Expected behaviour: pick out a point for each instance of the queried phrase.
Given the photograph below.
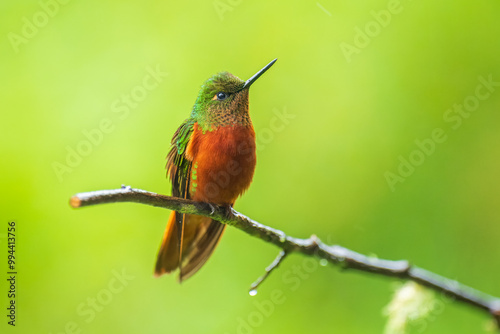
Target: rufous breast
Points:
(223, 163)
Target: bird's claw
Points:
(228, 210)
(212, 208)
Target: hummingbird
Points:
(212, 159)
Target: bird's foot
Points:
(228, 211)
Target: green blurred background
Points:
(321, 172)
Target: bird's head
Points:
(223, 100)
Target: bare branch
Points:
(312, 246)
(281, 256)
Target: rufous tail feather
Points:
(200, 237)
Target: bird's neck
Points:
(215, 119)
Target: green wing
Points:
(179, 170)
(178, 166)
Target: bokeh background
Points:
(321, 169)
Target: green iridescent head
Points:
(223, 100)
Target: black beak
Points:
(250, 81)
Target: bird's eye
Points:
(221, 96)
